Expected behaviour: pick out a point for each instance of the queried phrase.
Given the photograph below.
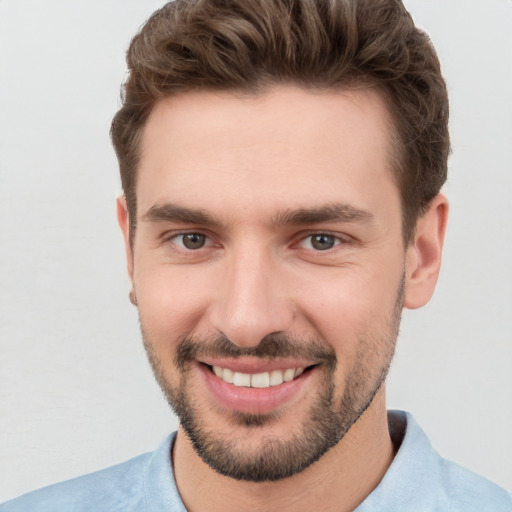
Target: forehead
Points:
(286, 148)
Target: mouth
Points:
(256, 388)
(259, 380)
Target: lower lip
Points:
(253, 400)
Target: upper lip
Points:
(255, 365)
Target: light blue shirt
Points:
(418, 480)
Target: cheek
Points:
(171, 302)
(351, 305)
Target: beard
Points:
(327, 422)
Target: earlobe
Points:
(423, 257)
(123, 218)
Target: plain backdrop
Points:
(76, 392)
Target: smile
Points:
(257, 380)
(252, 386)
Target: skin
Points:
(245, 162)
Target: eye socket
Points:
(191, 241)
(320, 242)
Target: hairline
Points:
(396, 153)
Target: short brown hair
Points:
(247, 45)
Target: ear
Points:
(123, 217)
(423, 256)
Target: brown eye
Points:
(193, 240)
(322, 242)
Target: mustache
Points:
(272, 346)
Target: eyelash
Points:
(337, 240)
(172, 238)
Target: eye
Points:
(320, 242)
(191, 241)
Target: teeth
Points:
(276, 377)
(242, 379)
(257, 380)
(260, 380)
(227, 375)
(289, 374)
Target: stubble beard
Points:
(327, 423)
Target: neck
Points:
(340, 480)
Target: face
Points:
(268, 269)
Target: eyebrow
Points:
(333, 212)
(173, 213)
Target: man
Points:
(281, 163)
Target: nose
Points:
(253, 299)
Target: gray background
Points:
(76, 393)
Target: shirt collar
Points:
(406, 482)
(413, 472)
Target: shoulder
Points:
(118, 487)
(145, 482)
(420, 479)
(466, 491)
(447, 484)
